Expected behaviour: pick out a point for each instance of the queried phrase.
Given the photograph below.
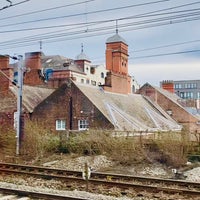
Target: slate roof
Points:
(82, 56)
(32, 96)
(128, 112)
(175, 98)
(8, 103)
(116, 38)
(57, 62)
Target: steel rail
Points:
(107, 179)
(96, 175)
(38, 195)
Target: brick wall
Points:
(117, 79)
(33, 65)
(70, 104)
(117, 57)
(117, 83)
(4, 62)
(6, 73)
(168, 85)
(178, 112)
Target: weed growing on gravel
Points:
(168, 148)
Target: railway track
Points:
(17, 194)
(137, 183)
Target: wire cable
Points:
(83, 34)
(110, 20)
(107, 29)
(11, 4)
(165, 54)
(84, 13)
(164, 46)
(44, 10)
(123, 27)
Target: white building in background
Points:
(80, 70)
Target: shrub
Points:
(7, 141)
(170, 148)
(37, 141)
(94, 142)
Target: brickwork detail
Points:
(168, 85)
(70, 104)
(178, 113)
(117, 79)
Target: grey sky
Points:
(152, 29)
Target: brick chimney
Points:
(168, 85)
(33, 66)
(6, 73)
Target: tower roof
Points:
(82, 55)
(115, 38)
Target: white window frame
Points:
(83, 124)
(60, 124)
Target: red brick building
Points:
(63, 104)
(118, 79)
(169, 102)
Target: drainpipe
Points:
(70, 114)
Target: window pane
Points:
(83, 124)
(60, 124)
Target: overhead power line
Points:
(123, 27)
(165, 54)
(47, 9)
(188, 13)
(84, 13)
(148, 14)
(164, 46)
(166, 18)
(11, 4)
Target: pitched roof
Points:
(32, 96)
(128, 112)
(8, 103)
(176, 99)
(57, 62)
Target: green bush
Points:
(96, 142)
(168, 148)
(37, 141)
